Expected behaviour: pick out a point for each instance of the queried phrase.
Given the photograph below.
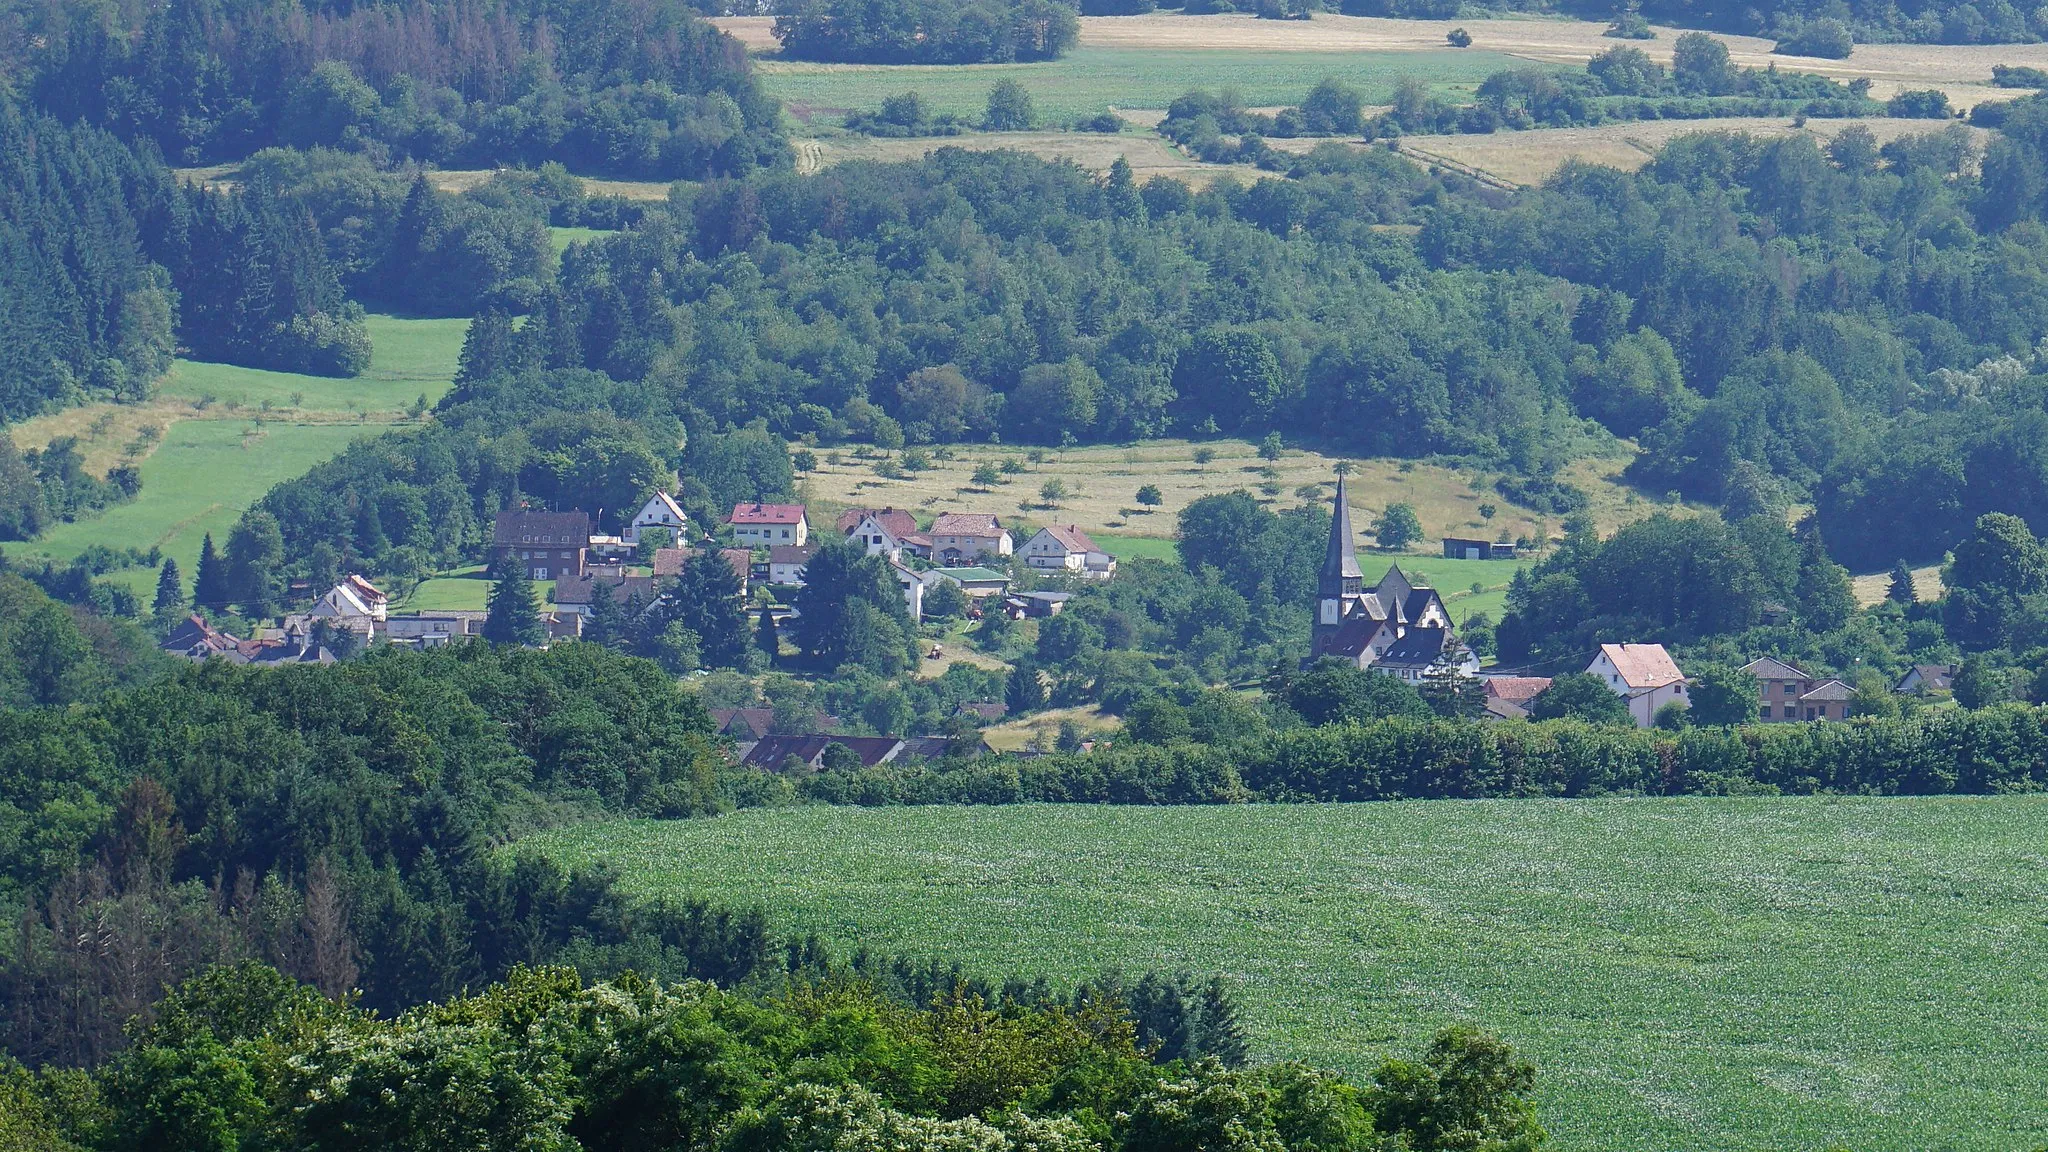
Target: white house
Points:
(877, 538)
(354, 604)
(1065, 548)
(660, 511)
(769, 525)
(786, 563)
(1642, 674)
(964, 537)
(914, 585)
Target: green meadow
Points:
(251, 431)
(1088, 80)
(1755, 973)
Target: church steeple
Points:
(1341, 575)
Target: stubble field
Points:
(1800, 973)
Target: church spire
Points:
(1341, 573)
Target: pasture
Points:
(1758, 973)
(227, 435)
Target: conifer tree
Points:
(170, 591)
(512, 617)
(1901, 589)
(607, 624)
(210, 582)
(707, 599)
(768, 636)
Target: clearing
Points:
(1755, 973)
(227, 435)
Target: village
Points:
(1398, 627)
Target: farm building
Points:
(1461, 548)
(1642, 674)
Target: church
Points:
(1397, 626)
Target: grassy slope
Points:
(1089, 80)
(216, 461)
(1696, 973)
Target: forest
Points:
(926, 31)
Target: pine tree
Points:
(210, 583)
(1024, 691)
(768, 636)
(1901, 590)
(487, 349)
(512, 616)
(607, 624)
(707, 598)
(170, 590)
(255, 563)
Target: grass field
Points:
(465, 590)
(1800, 973)
(563, 236)
(218, 457)
(1089, 80)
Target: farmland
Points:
(1688, 973)
(228, 434)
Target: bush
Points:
(1826, 38)
(1459, 38)
(1923, 104)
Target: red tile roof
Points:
(1642, 665)
(896, 521)
(766, 514)
(1071, 538)
(967, 524)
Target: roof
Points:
(1070, 537)
(989, 710)
(751, 723)
(766, 514)
(1340, 559)
(578, 589)
(966, 524)
(1828, 690)
(1516, 689)
(1418, 646)
(792, 553)
(973, 575)
(774, 751)
(1770, 668)
(517, 525)
(1642, 665)
(365, 591)
(1047, 597)
(895, 521)
(669, 562)
(1933, 675)
(665, 503)
(1499, 709)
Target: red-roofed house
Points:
(967, 538)
(1642, 674)
(1065, 548)
(767, 525)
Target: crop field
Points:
(227, 435)
(1782, 973)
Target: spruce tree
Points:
(1901, 590)
(707, 599)
(210, 583)
(607, 624)
(255, 563)
(170, 590)
(512, 616)
(768, 636)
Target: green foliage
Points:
(1580, 696)
(1335, 692)
(1721, 694)
(851, 611)
(993, 31)
(513, 615)
(1009, 108)
(1397, 527)
(1470, 1091)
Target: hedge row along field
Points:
(1688, 973)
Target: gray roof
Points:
(1419, 646)
(1340, 559)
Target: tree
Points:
(170, 592)
(1722, 695)
(1269, 448)
(1458, 38)
(1449, 692)
(511, 615)
(945, 600)
(1338, 692)
(1024, 691)
(1397, 527)
(607, 624)
(210, 585)
(768, 637)
(1580, 696)
(1901, 590)
(1700, 65)
(986, 476)
(707, 598)
(1469, 1091)
(1052, 492)
(1149, 496)
(1979, 683)
(1826, 598)
(1009, 108)
(851, 611)
(255, 561)
(1051, 399)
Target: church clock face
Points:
(1329, 612)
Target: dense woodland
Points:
(926, 31)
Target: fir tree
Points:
(512, 616)
(254, 564)
(707, 599)
(487, 349)
(1901, 589)
(170, 589)
(1024, 691)
(768, 636)
(607, 623)
(210, 583)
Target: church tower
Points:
(1341, 581)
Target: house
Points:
(976, 582)
(769, 525)
(1416, 651)
(196, 640)
(1509, 697)
(668, 562)
(660, 511)
(433, 629)
(547, 544)
(960, 538)
(1065, 548)
(1642, 674)
(786, 563)
(351, 605)
(914, 585)
(573, 594)
(1038, 605)
(1926, 678)
(369, 594)
(749, 724)
(1788, 693)
(877, 538)
(1361, 625)
(1462, 548)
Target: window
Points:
(1766, 712)
(1809, 713)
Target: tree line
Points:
(927, 31)
(633, 87)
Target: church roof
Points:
(1340, 560)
